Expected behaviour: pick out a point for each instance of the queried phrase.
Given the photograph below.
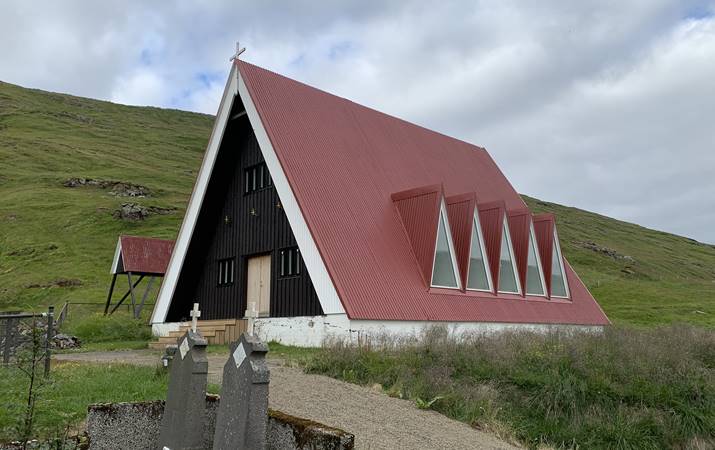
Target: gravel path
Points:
(377, 420)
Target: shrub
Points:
(623, 388)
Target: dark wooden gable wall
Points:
(234, 224)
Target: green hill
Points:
(57, 242)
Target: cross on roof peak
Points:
(239, 50)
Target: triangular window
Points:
(559, 285)
(508, 278)
(534, 273)
(478, 278)
(444, 273)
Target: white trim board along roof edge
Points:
(323, 284)
(314, 264)
(166, 292)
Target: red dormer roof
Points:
(491, 216)
(519, 230)
(344, 161)
(544, 231)
(460, 212)
(419, 212)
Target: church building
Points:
(327, 218)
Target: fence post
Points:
(62, 315)
(9, 336)
(48, 341)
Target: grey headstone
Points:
(183, 420)
(243, 412)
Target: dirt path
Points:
(378, 421)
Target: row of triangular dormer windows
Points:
(446, 275)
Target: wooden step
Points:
(216, 332)
(212, 322)
(203, 328)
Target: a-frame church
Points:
(331, 218)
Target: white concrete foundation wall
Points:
(163, 329)
(308, 331)
(314, 330)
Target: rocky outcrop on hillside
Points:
(135, 211)
(118, 188)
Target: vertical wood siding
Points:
(256, 225)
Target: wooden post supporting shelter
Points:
(142, 257)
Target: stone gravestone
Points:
(183, 420)
(243, 411)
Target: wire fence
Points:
(27, 332)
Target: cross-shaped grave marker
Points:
(195, 314)
(251, 314)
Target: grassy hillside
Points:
(57, 242)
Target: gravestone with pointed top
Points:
(243, 412)
(183, 420)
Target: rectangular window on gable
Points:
(226, 271)
(256, 178)
(289, 262)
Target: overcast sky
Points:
(607, 106)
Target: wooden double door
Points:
(258, 290)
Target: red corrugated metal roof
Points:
(343, 162)
(145, 255)
(419, 211)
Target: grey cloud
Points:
(607, 107)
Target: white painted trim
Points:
(117, 253)
(450, 245)
(171, 278)
(476, 224)
(532, 244)
(314, 264)
(505, 226)
(557, 247)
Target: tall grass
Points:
(63, 400)
(624, 388)
(93, 328)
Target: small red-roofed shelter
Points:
(142, 257)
